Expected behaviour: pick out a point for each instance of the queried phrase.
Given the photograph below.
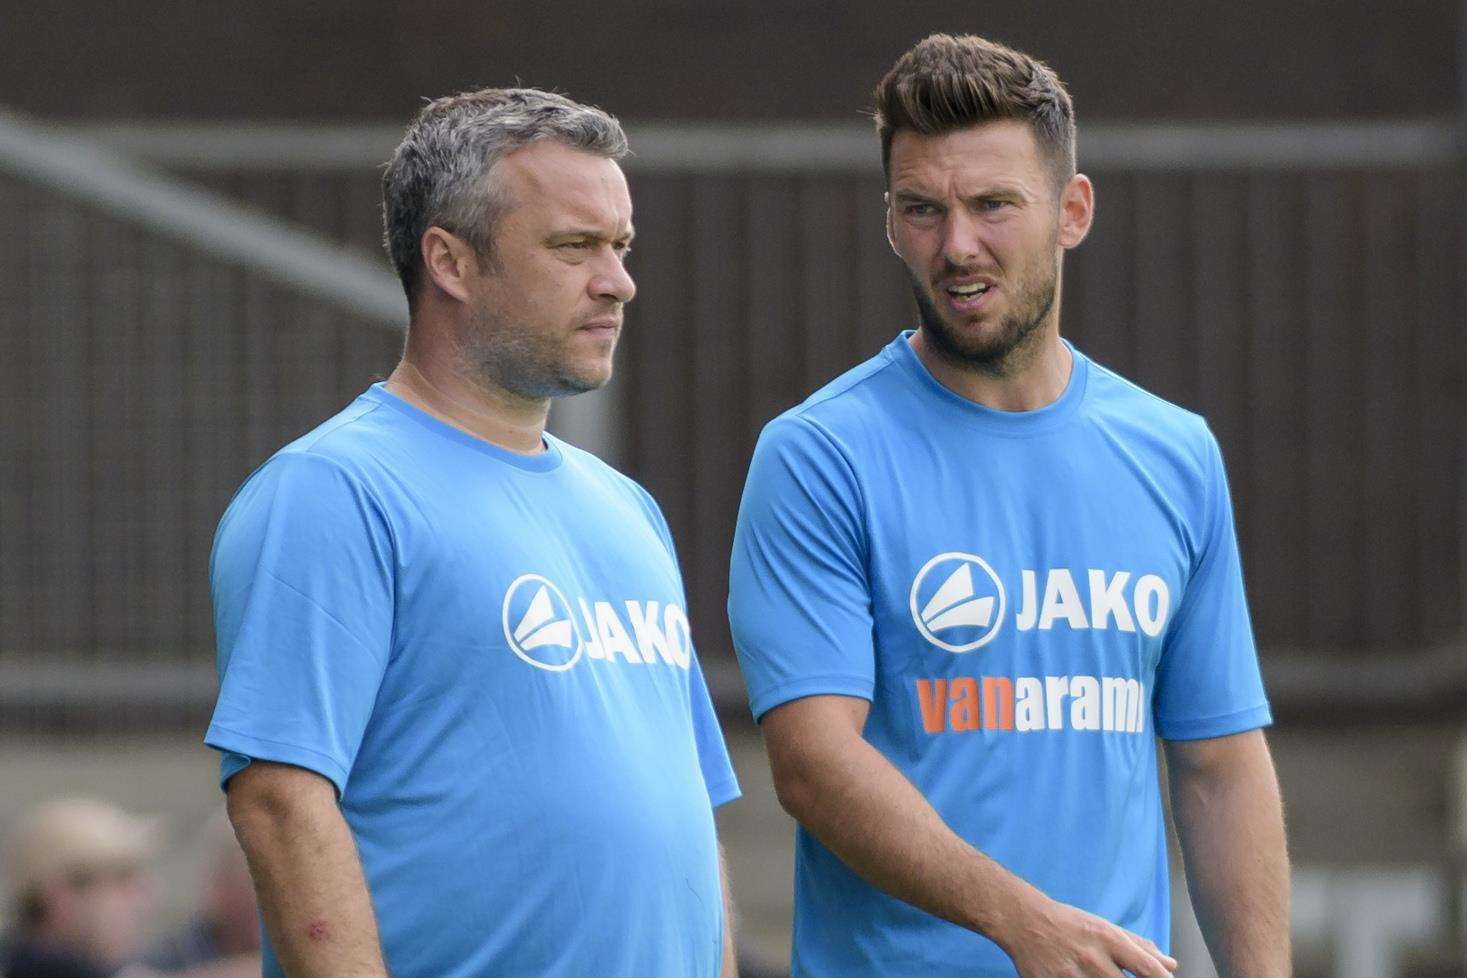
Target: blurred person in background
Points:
(976, 576)
(464, 731)
(80, 885)
(227, 925)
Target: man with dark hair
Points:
(459, 703)
(974, 577)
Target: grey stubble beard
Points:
(500, 356)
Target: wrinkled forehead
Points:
(966, 160)
(551, 184)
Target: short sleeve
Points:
(799, 597)
(302, 581)
(713, 759)
(1207, 682)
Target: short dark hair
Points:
(946, 83)
(441, 172)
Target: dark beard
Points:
(1010, 349)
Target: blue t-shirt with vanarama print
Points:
(1027, 600)
(489, 655)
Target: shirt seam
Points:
(337, 621)
(1213, 718)
(825, 394)
(488, 448)
(861, 501)
(335, 764)
(862, 681)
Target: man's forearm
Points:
(1230, 823)
(881, 826)
(312, 893)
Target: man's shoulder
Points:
(352, 438)
(602, 476)
(354, 446)
(843, 411)
(1171, 444)
(854, 396)
(339, 468)
(1128, 407)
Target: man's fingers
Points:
(1142, 958)
(1150, 947)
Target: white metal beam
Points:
(709, 147)
(81, 168)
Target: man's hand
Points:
(1048, 939)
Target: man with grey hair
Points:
(459, 703)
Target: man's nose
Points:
(961, 242)
(614, 282)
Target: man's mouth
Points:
(968, 296)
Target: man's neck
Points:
(495, 416)
(1031, 379)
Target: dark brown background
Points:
(1314, 314)
(714, 59)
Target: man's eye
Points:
(992, 204)
(921, 210)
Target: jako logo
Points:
(540, 627)
(958, 596)
(958, 601)
(544, 634)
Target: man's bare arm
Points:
(730, 967)
(861, 807)
(307, 873)
(1230, 821)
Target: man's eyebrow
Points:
(999, 190)
(594, 234)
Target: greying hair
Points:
(442, 173)
(946, 83)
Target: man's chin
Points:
(585, 380)
(972, 342)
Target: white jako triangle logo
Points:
(545, 631)
(536, 628)
(965, 611)
(952, 606)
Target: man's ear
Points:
(1077, 210)
(449, 261)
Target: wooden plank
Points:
(1098, 311)
(1163, 284)
(717, 265)
(1334, 586)
(1270, 481)
(1385, 332)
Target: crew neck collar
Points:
(544, 461)
(1011, 423)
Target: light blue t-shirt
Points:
(1027, 600)
(489, 655)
